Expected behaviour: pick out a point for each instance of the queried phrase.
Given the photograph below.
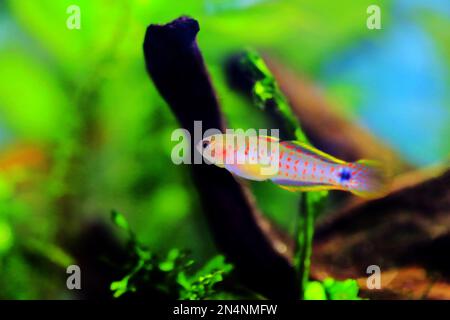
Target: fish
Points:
(293, 165)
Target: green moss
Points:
(172, 276)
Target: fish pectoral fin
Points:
(247, 171)
(219, 164)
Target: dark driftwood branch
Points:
(176, 66)
(405, 233)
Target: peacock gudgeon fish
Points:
(293, 165)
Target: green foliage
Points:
(315, 291)
(331, 289)
(6, 237)
(119, 220)
(201, 284)
(267, 94)
(172, 275)
(341, 290)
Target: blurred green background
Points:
(83, 130)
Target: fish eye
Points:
(205, 144)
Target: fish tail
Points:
(372, 179)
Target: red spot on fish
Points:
(304, 171)
(295, 168)
(330, 180)
(321, 171)
(286, 174)
(296, 161)
(288, 159)
(291, 154)
(281, 154)
(331, 169)
(306, 163)
(287, 166)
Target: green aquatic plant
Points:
(331, 289)
(268, 97)
(201, 284)
(172, 275)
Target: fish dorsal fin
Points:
(269, 138)
(310, 150)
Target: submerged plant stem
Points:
(304, 238)
(269, 98)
